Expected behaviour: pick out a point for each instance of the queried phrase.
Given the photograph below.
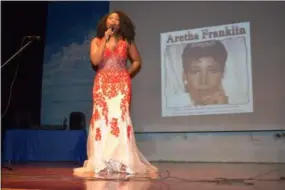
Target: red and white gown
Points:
(111, 145)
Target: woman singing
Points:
(111, 145)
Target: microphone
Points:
(33, 37)
(113, 29)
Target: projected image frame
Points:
(187, 93)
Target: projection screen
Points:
(208, 66)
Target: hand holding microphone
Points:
(109, 33)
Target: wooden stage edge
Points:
(174, 176)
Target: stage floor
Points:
(182, 176)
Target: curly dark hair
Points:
(127, 28)
(212, 48)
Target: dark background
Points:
(21, 19)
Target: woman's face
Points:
(203, 74)
(113, 20)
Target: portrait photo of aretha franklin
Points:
(203, 70)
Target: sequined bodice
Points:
(115, 60)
